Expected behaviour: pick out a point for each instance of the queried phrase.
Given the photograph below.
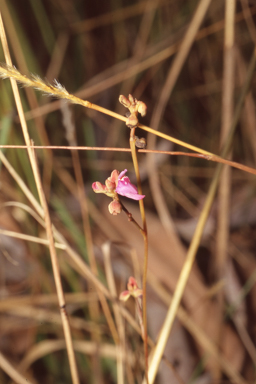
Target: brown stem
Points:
(145, 238)
(130, 217)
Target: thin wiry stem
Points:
(224, 191)
(130, 217)
(59, 91)
(12, 372)
(54, 90)
(145, 238)
(214, 158)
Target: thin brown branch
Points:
(216, 159)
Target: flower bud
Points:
(132, 284)
(124, 296)
(140, 142)
(132, 287)
(98, 187)
(115, 207)
(114, 176)
(133, 290)
(142, 108)
(124, 101)
(111, 186)
(131, 99)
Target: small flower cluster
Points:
(132, 290)
(134, 107)
(117, 184)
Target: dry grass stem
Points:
(46, 215)
(120, 340)
(224, 193)
(209, 347)
(12, 372)
(213, 158)
(118, 15)
(145, 238)
(60, 91)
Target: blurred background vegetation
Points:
(99, 50)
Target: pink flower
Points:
(133, 290)
(126, 188)
(117, 184)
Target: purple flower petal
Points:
(122, 174)
(126, 188)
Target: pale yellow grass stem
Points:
(54, 260)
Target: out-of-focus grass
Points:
(71, 227)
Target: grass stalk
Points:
(55, 264)
(214, 158)
(31, 96)
(120, 342)
(224, 192)
(9, 369)
(59, 91)
(207, 344)
(58, 283)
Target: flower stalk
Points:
(137, 293)
(135, 107)
(145, 238)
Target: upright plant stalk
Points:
(145, 238)
(224, 191)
